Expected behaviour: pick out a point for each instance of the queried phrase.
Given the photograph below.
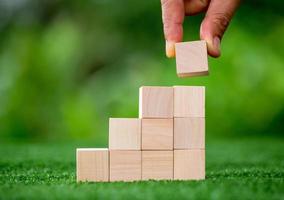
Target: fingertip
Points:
(214, 54)
(213, 47)
(170, 49)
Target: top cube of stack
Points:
(156, 102)
(189, 101)
(191, 58)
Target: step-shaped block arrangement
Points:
(191, 58)
(167, 142)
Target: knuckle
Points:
(170, 21)
(171, 28)
(221, 20)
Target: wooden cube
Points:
(189, 101)
(125, 165)
(92, 164)
(157, 165)
(189, 133)
(189, 164)
(156, 102)
(191, 58)
(157, 134)
(124, 134)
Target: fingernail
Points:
(170, 49)
(216, 44)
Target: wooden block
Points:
(189, 164)
(156, 102)
(157, 165)
(157, 134)
(189, 101)
(125, 165)
(191, 58)
(189, 133)
(92, 164)
(124, 134)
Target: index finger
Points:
(173, 16)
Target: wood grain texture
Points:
(157, 134)
(189, 101)
(191, 58)
(124, 134)
(189, 164)
(92, 164)
(157, 165)
(125, 165)
(156, 102)
(189, 133)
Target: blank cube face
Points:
(156, 102)
(124, 134)
(189, 133)
(157, 165)
(189, 164)
(191, 58)
(92, 165)
(157, 134)
(189, 101)
(125, 165)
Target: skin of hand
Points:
(217, 18)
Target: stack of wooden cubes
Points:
(166, 142)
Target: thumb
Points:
(215, 23)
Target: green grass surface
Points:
(248, 168)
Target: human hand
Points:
(218, 15)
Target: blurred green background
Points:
(67, 66)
